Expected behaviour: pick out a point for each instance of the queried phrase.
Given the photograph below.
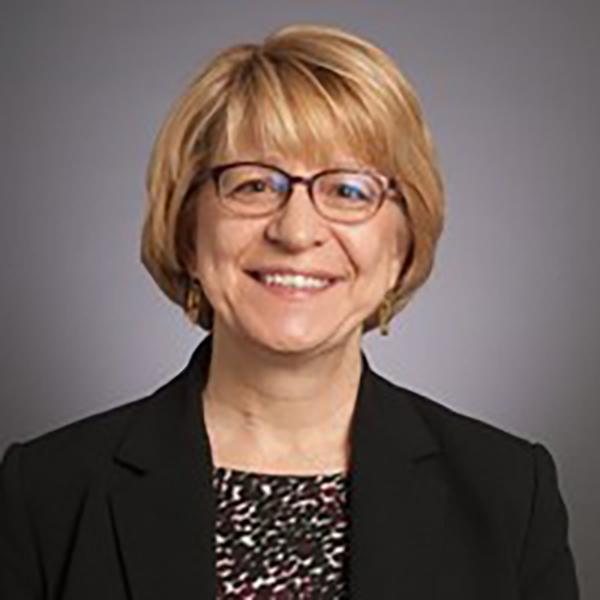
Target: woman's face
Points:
(365, 259)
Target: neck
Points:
(283, 402)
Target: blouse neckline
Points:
(255, 474)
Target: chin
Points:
(290, 337)
(292, 342)
(298, 339)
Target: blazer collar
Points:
(164, 508)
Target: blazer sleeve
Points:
(547, 568)
(19, 572)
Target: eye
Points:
(347, 190)
(254, 185)
(265, 184)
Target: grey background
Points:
(508, 327)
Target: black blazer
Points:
(442, 506)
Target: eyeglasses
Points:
(254, 189)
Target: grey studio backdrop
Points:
(507, 329)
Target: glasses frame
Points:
(389, 184)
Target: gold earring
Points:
(385, 314)
(193, 299)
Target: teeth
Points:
(295, 281)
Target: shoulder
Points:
(47, 481)
(456, 431)
(460, 432)
(74, 450)
(492, 471)
(505, 482)
(477, 455)
(83, 448)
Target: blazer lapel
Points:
(163, 504)
(397, 496)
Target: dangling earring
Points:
(193, 299)
(385, 314)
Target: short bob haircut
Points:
(305, 87)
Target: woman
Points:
(295, 204)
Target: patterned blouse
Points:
(281, 537)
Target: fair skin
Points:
(284, 372)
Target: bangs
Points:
(282, 106)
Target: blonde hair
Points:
(305, 86)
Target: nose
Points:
(297, 224)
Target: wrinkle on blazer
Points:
(442, 506)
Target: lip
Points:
(291, 293)
(283, 270)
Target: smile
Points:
(295, 281)
(294, 285)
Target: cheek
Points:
(220, 246)
(379, 252)
(399, 244)
(210, 246)
(378, 249)
(208, 236)
(397, 238)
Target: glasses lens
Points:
(348, 195)
(252, 189)
(343, 195)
